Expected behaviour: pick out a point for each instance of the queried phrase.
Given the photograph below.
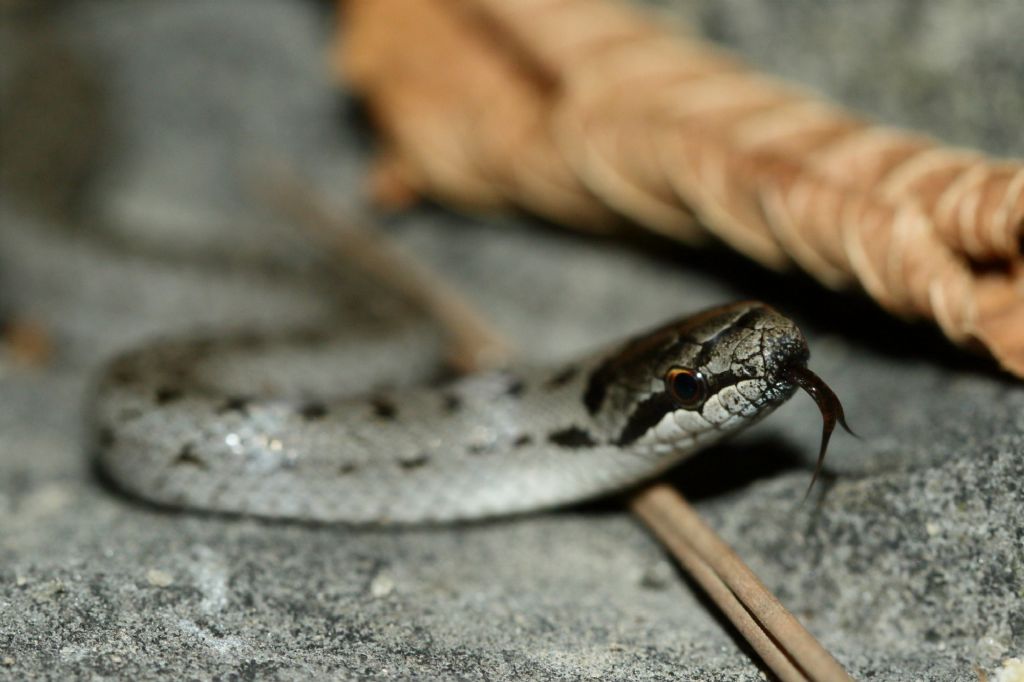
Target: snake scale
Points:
(507, 441)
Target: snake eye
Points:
(686, 386)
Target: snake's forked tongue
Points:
(828, 403)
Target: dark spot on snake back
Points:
(515, 387)
(187, 456)
(572, 437)
(414, 462)
(452, 403)
(234, 404)
(384, 408)
(563, 377)
(522, 440)
(313, 411)
(167, 394)
(347, 468)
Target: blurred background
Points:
(134, 142)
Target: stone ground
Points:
(135, 125)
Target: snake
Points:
(172, 430)
(265, 424)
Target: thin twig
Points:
(779, 639)
(658, 514)
(673, 520)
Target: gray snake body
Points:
(171, 430)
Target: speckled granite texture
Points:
(129, 132)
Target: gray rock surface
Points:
(137, 126)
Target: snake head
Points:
(697, 379)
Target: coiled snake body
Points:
(496, 443)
